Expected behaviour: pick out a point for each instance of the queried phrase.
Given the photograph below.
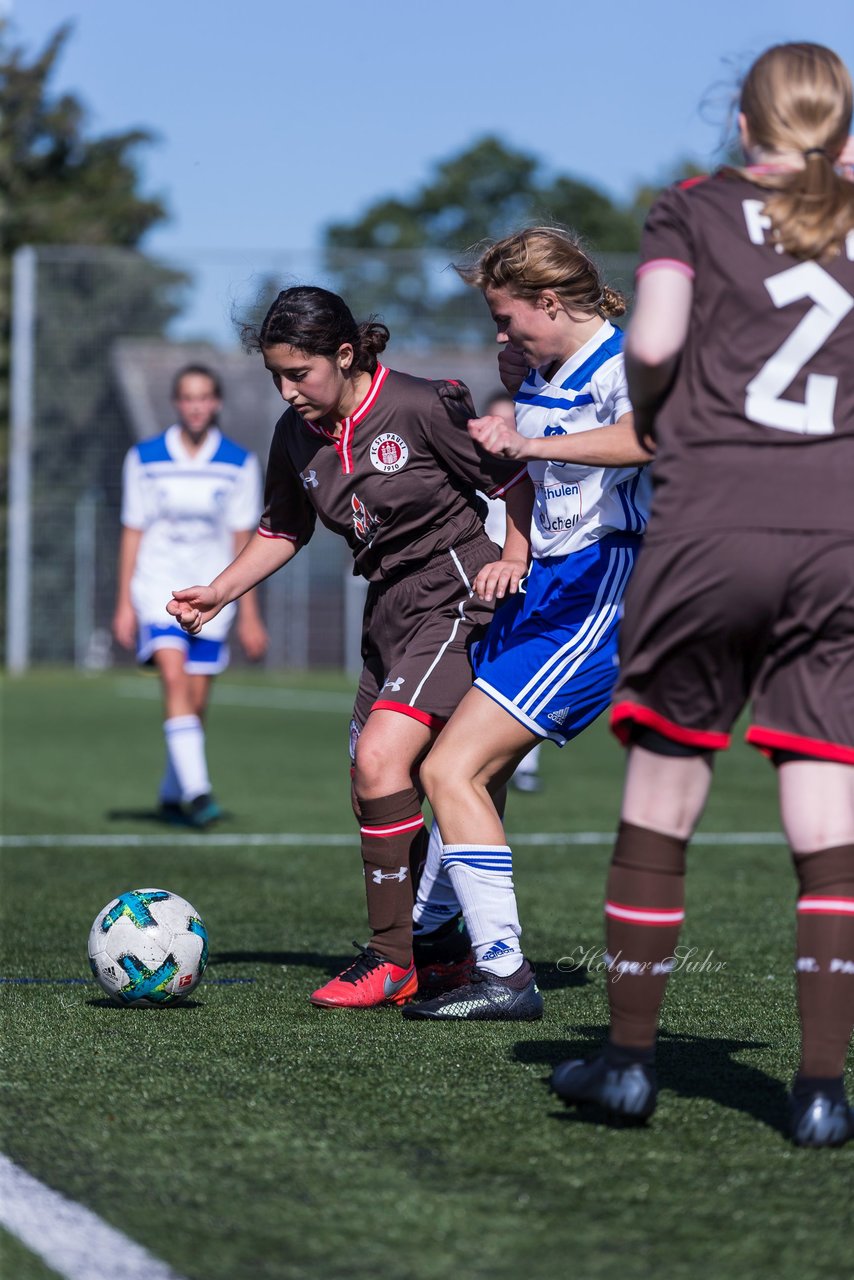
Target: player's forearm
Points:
(259, 558)
(248, 602)
(128, 552)
(648, 388)
(657, 334)
(520, 505)
(614, 445)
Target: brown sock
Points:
(644, 911)
(825, 961)
(390, 827)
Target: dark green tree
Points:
(62, 189)
(486, 191)
(57, 186)
(646, 194)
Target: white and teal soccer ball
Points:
(148, 947)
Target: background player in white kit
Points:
(190, 500)
(548, 664)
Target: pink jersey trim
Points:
(644, 915)
(672, 264)
(815, 905)
(769, 740)
(268, 533)
(424, 717)
(625, 714)
(344, 445)
(500, 490)
(373, 391)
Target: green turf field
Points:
(247, 1135)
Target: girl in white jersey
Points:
(547, 666)
(190, 500)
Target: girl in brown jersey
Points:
(386, 461)
(739, 362)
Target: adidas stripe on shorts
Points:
(550, 656)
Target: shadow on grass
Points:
(145, 1008)
(689, 1066)
(307, 959)
(550, 977)
(157, 819)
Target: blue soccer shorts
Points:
(202, 657)
(550, 655)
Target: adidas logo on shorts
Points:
(559, 716)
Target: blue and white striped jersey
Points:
(188, 507)
(575, 506)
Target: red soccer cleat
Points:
(368, 983)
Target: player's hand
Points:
(493, 434)
(845, 162)
(252, 635)
(499, 578)
(124, 625)
(193, 607)
(512, 367)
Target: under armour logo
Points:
(309, 479)
(394, 685)
(400, 875)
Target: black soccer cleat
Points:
(628, 1091)
(817, 1120)
(203, 812)
(443, 957)
(486, 998)
(171, 812)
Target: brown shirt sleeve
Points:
(667, 234)
(452, 444)
(287, 511)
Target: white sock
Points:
(185, 743)
(482, 876)
(530, 763)
(170, 787)
(436, 901)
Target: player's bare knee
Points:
(666, 784)
(379, 769)
(439, 774)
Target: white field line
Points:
(73, 1241)
(335, 840)
(234, 695)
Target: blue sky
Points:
(275, 117)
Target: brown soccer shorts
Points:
(417, 635)
(717, 619)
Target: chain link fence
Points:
(97, 337)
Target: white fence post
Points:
(85, 546)
(20, 459)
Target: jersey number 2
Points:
(831, 303)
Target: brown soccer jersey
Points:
(399, 485)
(758, 428)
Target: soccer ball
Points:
(148, 947)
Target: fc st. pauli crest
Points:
(389, 452)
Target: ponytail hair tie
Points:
(815, 151)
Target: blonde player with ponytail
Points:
(741, 364)
(547, 666)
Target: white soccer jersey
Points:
(188, 507)
(575, 506)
